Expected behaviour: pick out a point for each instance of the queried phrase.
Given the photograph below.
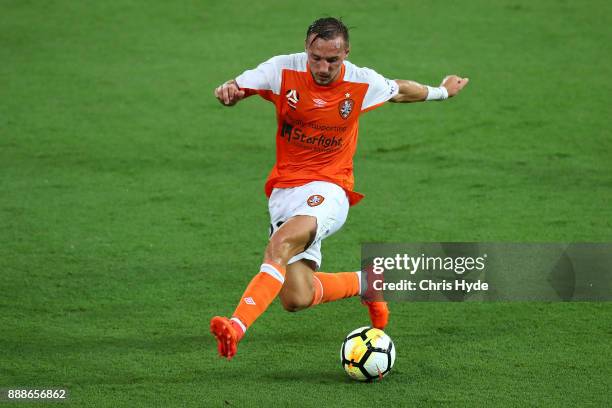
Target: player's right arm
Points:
(229, 93)
(264, 80)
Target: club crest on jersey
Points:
(346, 107)
(293, 97)
(315, 200)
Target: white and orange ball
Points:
(367, 354)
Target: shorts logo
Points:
(345, 108)
(315, 200)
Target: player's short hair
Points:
(328, 28)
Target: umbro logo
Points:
(249, 301)
(319, 102)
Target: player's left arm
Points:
(411, 91)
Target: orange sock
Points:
(262, 290)
(333, 286)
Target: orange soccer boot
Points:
(228, 333)
(379, 313)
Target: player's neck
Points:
(337, 78)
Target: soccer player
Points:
(318, 96)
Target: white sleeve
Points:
(266, 77)
(380, 89)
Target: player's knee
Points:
(291, 239)
(280, 248)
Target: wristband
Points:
(436, 94)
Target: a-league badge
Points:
(293, 97)
(315, 200)
(346, 107)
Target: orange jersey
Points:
(316, 137)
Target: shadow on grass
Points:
(320, 376)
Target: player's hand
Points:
(454, 84)
(229, 94)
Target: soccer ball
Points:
(367, 354)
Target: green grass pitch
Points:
(132, 206)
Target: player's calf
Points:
(295, 302)
(297, 291)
